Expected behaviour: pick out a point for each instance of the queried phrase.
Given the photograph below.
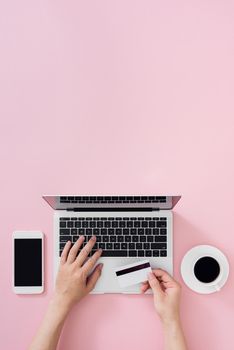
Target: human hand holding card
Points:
(131, 274)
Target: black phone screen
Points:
(28, 262)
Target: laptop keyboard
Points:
(118, 236)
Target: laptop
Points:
(128, 229)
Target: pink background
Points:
(125, 97)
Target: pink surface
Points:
(118, 97)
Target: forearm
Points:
(48, 334)
(174, 336)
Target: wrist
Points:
(60, 303)
(171, 321)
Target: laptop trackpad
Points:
(108, 282)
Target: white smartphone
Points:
(28, 262)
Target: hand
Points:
(74, 280)
(166, 295)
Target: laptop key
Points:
(158, 245)
(161, 224)
(135, 238)
(151, 238)
(136, 224)
(163, 253)
(140, 253)
(148, 231)
(113, 238)
(146, 245)
(74, 231)
(148, 253)
(62, 224)
(160, 238)
(96, 231)
(155, 252)
(65, 238)
(138, 246)
(109, 246)
(132, 246)
(120, 238)
(124, 246)
(70, 224)
(117, 246)
(156, 231)
(114, 253)
(163, 231)
(118, 231)
(62, 245)
(127, 239)
(142, 238)
(64, 231)
(132, 253)
(110, 231)
(105, 238)
(102, 245)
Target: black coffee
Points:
(206, 269)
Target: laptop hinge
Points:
(113, 209)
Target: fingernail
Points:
(100, 266)
(93, 237)
(100, 250)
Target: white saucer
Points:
(187, 267)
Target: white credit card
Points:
(130, 274)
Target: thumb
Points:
(154, 283)
(92, 279)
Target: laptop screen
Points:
(111, 202)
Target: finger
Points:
(163, 276)
(65, 252)
(74, 250)
(154, 284)
(85, 251)
(91, 262)
(144, 287)
(92, 279)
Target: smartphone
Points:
(28, 262)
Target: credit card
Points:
(135, 273)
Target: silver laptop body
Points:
(130, 210)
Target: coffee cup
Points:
(208, 271)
